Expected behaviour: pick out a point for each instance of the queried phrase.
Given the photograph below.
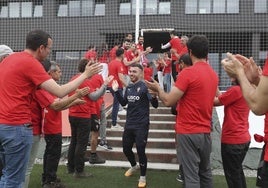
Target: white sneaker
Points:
(142, 183)
(132, 170)
(125, 107)
(122, 112)
(117, 128)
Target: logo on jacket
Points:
(133, 98)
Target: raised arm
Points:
(256, 97)
(165, 46)
(101, 91)
(169, 99)
(65, 103)
(120, 98)
(60, 91)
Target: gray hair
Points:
(53, 66)
(185, 38)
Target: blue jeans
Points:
(115, 106)
(167, 82)
(34, 151)
(16, 143)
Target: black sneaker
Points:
(43, 181)
(54, 185)
(105, 145)
(95, 159)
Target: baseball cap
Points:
(5, 50)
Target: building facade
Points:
(238, 26)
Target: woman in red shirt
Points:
(235, 137)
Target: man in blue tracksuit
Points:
(137, 121)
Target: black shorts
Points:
(95, 123)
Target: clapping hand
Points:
(92, 69)
(82, 92)
(108, 80)
(115, 85)
(233, 64)
(153, 86)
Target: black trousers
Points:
(262, 173)
(174, 71)
(138, 136)
(232, 158)
(51, 157)
(80, 129)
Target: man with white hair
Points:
(4, 51)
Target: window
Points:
(87, 8)
(218, 6)
(25, 9)
(164, 7)
(211, 6)
(38, 10)
(4, 11)
(204, 6)
(14, 10)
(151, 7)
(191, 7)
(124, 8)
(77, 8)
(147, 7)
(74, 8)
(260, 6)
(134, 7)
(63, 10)
(100, 8)
(232, 6)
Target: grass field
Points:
(108, 177)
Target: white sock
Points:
(143, 178)
(135, 167)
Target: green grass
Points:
(109, 177)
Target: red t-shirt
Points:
(104, 58)
(129, 55)
(96, 83)
(148, 73)
(115, 67)
(199, 83)
(82, 110)
(236, 111)
(91, 54)
(20, 75)
(167, 68)
(183, 51)
(112, 53)
(139, 47)
(52, 118)
(37, 116)
(175, 44)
